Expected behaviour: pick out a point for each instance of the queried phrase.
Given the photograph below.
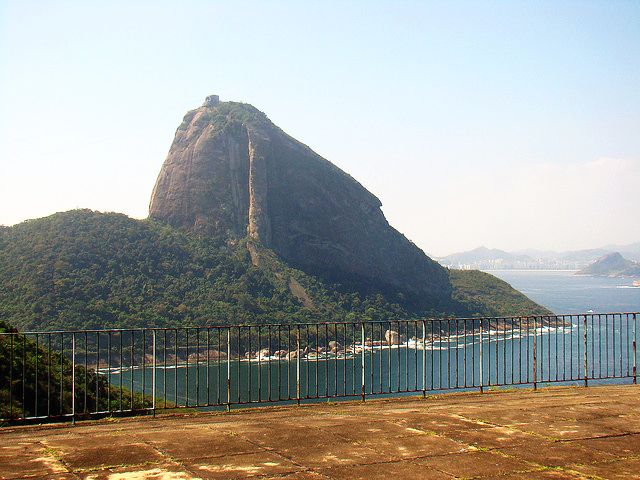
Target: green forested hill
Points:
(483, 294)
(84, 269)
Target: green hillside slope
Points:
(483, 294)
(84, 269)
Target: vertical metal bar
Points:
(380, 352)
(497, 354)
(520, 349)
(219, 372)
(48, 372)
(489, 351)
(24, 376)
(259, 366)
(35, 407)
(473, 353)
(371, 359)
(144, 369)
(97, 372)
(389, 357)
(249, 368)
(307, 386)
(269, 364)
(298, 354)
(529, 349)
(186, 368)
(504, 352)
(120, 366)
(600, 345)
(627, 344)
(131, 333)
(73, 377)
(635, 356)
(239, 365)
(564, 348)
(297, 363)
(571, 347)
(406, 357)
(606, 350)
(457, 353)
(480, 361)
(586, 356)
(228, 369)
(280, 363)
(424, 359)
(86, 369)
(363, 362)
(209, 363)
(326, 360)
(11, 374)
(620, 345)
(535, 353)
(335, 372)
(399, 365)
(554, 331)
(432, 355)
(197, 366)
(109, 371)
(613, 341)
(513, 331)
(61, 373)
(164, 369)
(175, 366)
(153, 373)
(549, 347)
(464, 339)
(593, 346)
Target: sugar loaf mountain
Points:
(246, 225)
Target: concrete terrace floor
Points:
(555, 433)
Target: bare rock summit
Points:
(231, 173)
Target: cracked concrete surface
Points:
(554, 433)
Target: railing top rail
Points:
(313, 324)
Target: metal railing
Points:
(78, 374)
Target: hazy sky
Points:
(506, 124)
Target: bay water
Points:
(451, 362)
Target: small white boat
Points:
(636, 283)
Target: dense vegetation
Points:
(481, 294)
(84, 269)
(36, 381)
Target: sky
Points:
(508, 124)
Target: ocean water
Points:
(546, 352)
(564, 292)
(451, 362)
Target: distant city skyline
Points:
(512, 125)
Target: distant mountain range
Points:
(484, 258)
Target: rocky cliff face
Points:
(232, 173)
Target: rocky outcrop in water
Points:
(612, 265)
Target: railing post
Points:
(481, 362)
(586, 356)
(298, 365)
(424, 359)
(153, 375)
(635, 356)
(73, 378)
(229, 369)
(363, 362)
(535, 352)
